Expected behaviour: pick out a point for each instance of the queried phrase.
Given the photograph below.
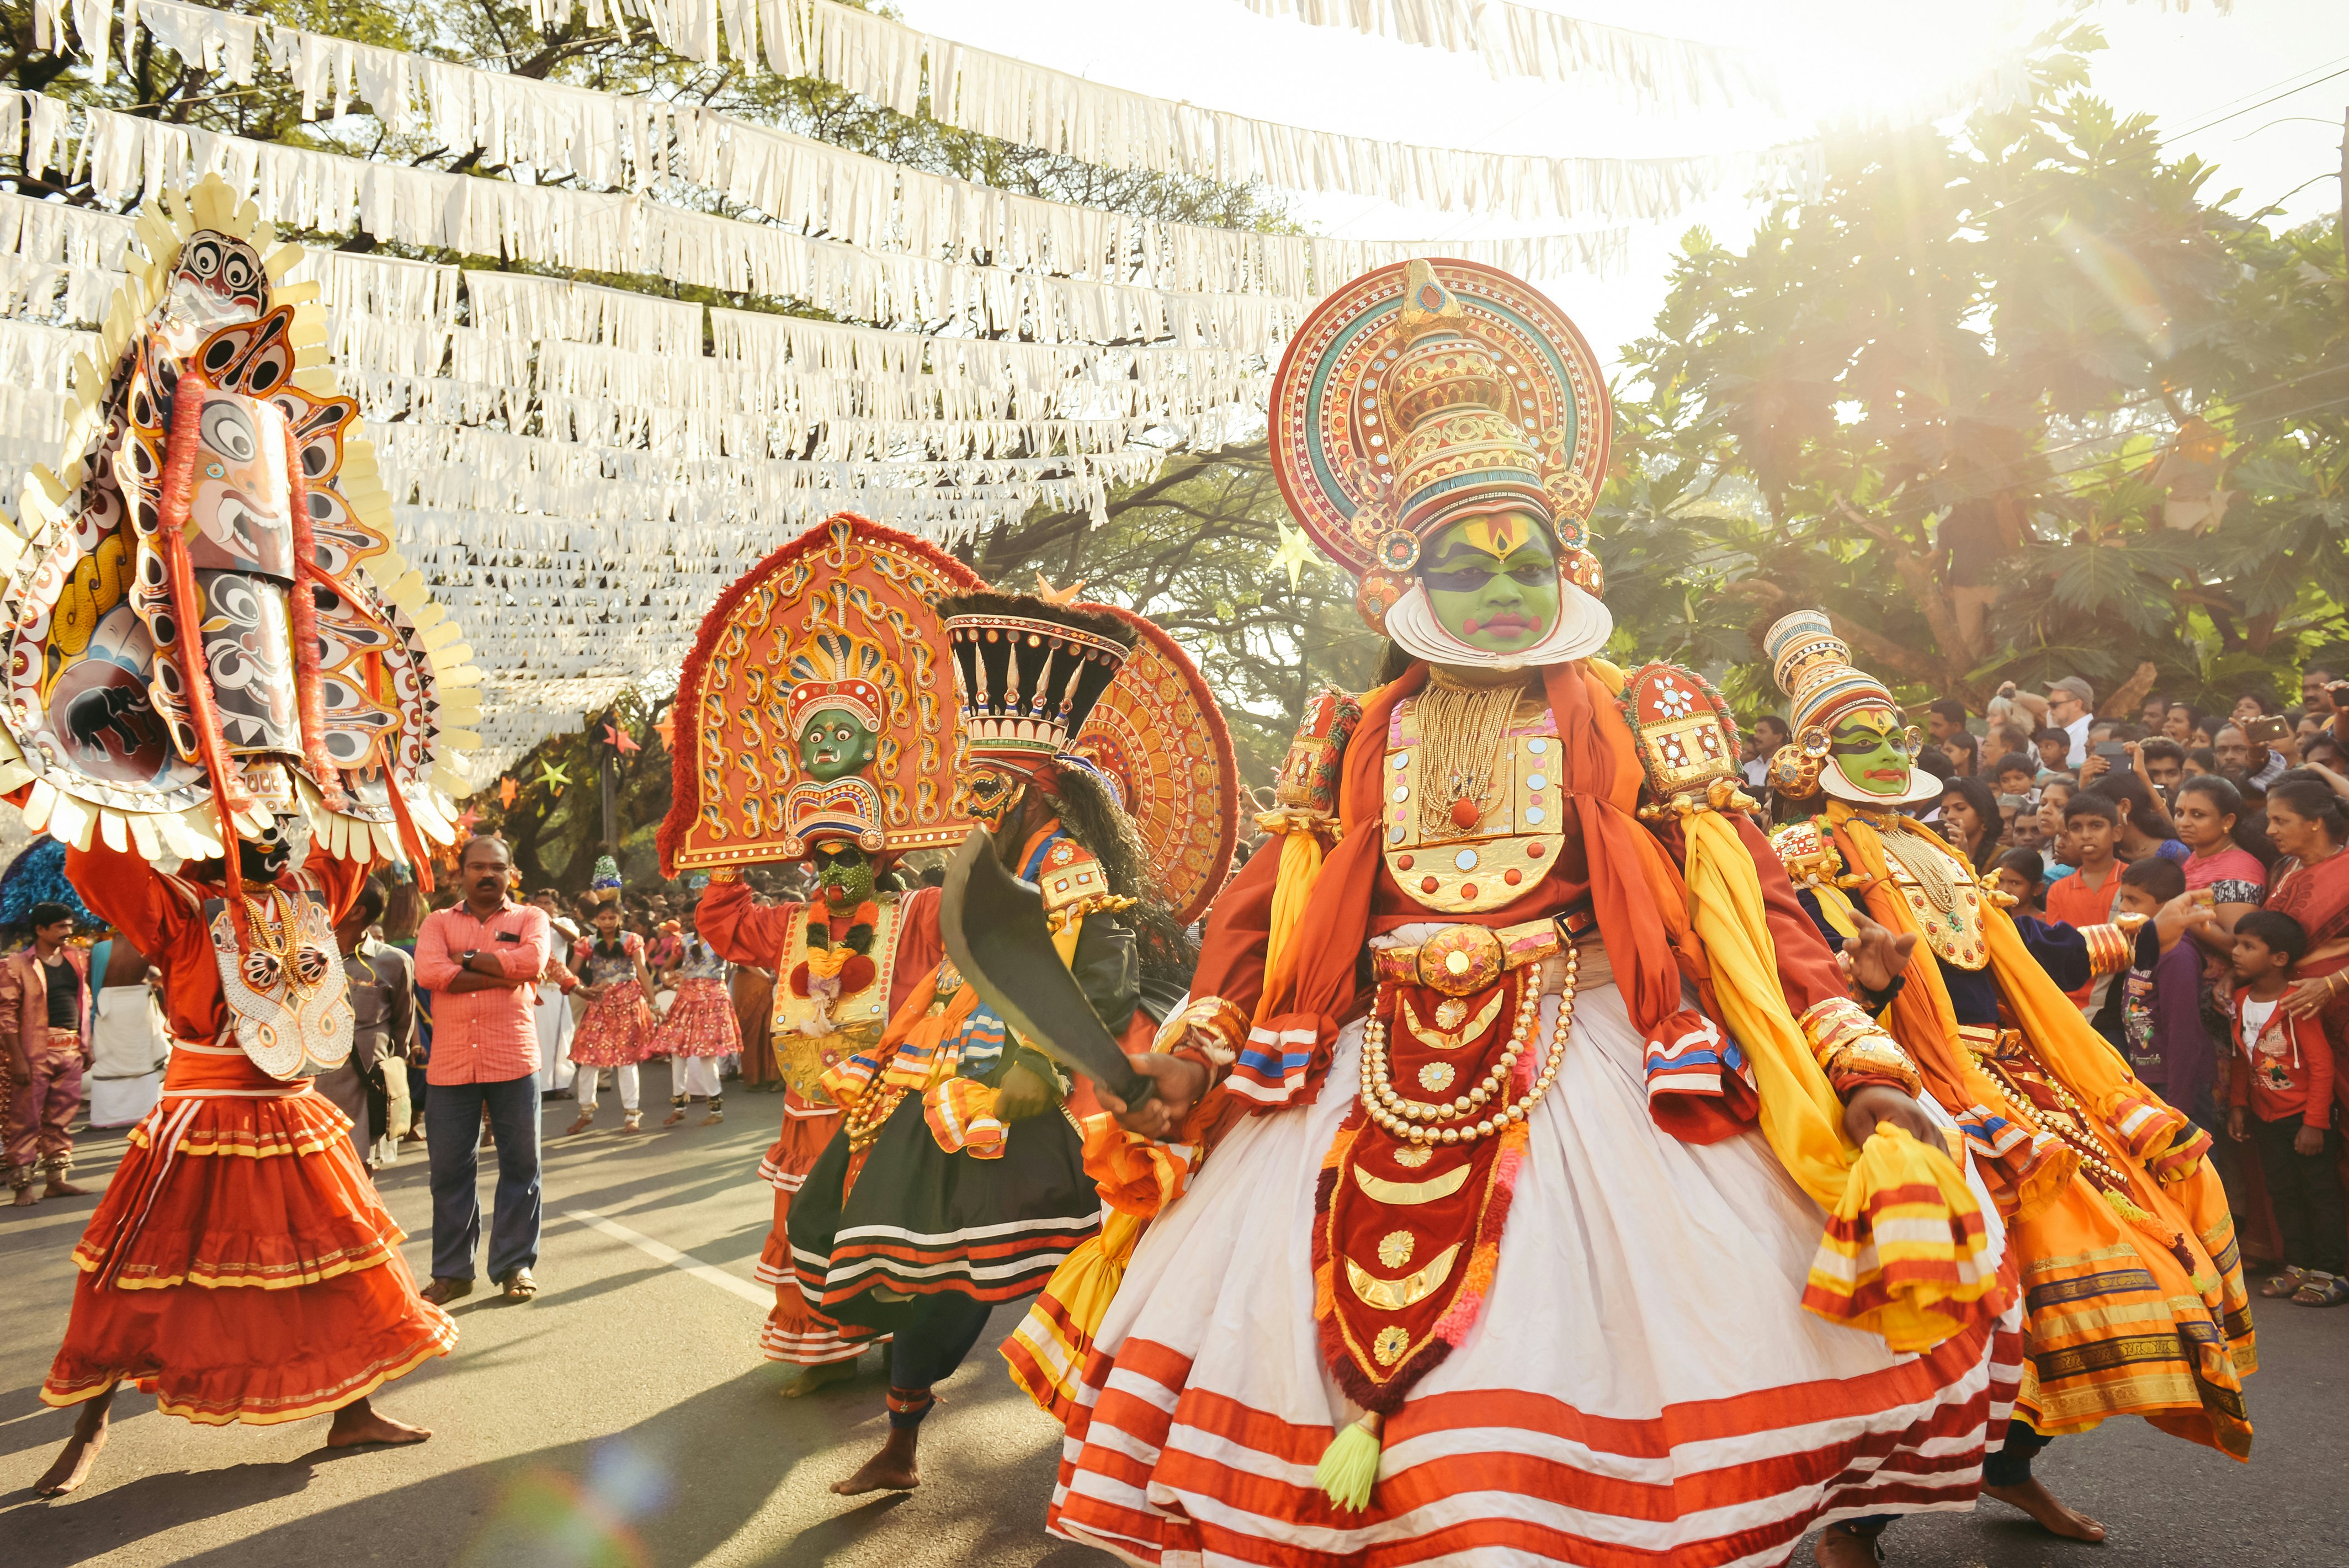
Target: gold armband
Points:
(723, 875)
(1853, 1051)
(1220, 1026)
(2110, 947)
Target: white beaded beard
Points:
(1583, 627)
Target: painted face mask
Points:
(834, 743)
(1492, 582)
(988, 795)
(1873, 751)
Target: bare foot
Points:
(65, 1190)
(73, 1465)
(26, 1197)
(713, 1118)
(360, 1422)
(810, 1379)
(673, 1116)
(1841, 1549)
(586, 1119)
(2034, 1497)
(891, 1470)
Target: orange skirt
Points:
(794, 1332)
(241, 1266)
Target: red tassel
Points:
(230, 797)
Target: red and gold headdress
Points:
(1427, 392)
(840, 617)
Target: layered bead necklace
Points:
(1419, 1122)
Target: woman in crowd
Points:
(2224, 854)
(1971, 820)
(2311, 883)
(2144, 829)
(1965, 753)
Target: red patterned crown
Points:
(837, 670)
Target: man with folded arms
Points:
(482, 959)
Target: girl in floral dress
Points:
(618, 1030)
(699, 1032)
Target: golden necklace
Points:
(1928, 859)
(1461, 732)
(1403, 1118)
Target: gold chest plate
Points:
(810, 1035)
(1954, 934)
(1509, 850)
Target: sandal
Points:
(2285, 1284)
(518, 1286)
(441, 1292)
(2322, 1289)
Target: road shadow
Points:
(669, 1490)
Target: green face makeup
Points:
(844, 873)
(833, 744)
(1492, 582)
(1869, 747)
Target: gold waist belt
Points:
(1460, 960)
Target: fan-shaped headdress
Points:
(1427, 392)
(840, 617)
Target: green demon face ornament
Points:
(844, 874)
(1493, 580)
(835, 743)
(1872, 749)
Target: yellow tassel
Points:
(1350, 1465)
(2127, 1210)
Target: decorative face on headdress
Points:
(1441, 430)
(835, 705)
(1850, 738)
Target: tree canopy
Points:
(2036, 365)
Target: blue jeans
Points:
(452, 1130)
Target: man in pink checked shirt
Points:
(480, 959)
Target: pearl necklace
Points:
(1403, 1118)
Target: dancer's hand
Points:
(1875, 958)
(1022, 1094)
(1181, 1081)
(1879, 1102)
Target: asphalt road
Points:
(626, 1418)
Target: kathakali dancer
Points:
(817, 723)
(2132, 1286)
(1097, 762)
(228, 697)
(1561, 1204)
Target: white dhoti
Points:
(555, 1026)
(129, 1044)
(1643, 1385)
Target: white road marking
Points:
(757, 1295)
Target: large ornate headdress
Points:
(841, 619)
(1812, 666)
(1427, 392)
(210, 635)
(1046, 686)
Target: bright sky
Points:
(2186, 64)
